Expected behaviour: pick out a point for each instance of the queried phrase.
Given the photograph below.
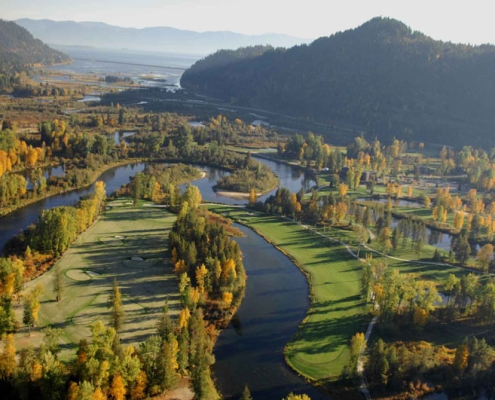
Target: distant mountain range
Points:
(381, 78)
(70, 33)
(19, 50)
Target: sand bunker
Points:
(137, 258)
(92, 273)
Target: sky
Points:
(457, 21)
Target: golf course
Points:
(320, 349)
(127, 244)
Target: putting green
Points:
(77, 275)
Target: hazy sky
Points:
(456, 21)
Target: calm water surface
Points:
(276, 298)
(275, 304)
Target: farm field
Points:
(126, 244)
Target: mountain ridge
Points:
(100, 34)
(382, 77)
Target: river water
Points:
(276, 302)
(276, 294)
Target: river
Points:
(276, 294)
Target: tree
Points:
(361, 236)
(192, 196)
(357, 343)
(419, 247)
(293, 396)
(32, 306)
(58, 283)
(118, 390)
(343, 188)
(28, 318)
(484, 257)
(246, 394)
(117, 312)
(252, 197)
(8, 364)
(168, 360)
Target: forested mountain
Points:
(381, 78)
(19, 50)
(159, 38)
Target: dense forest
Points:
(20, 50)
(381, 78)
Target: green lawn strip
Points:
(320, 348)
(145, 230)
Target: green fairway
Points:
(320, 348)
(127, 244)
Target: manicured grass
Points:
(100, 255)
(320, 348)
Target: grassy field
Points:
(320, 348)
(101, 254)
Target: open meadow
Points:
(127, 244)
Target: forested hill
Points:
(19, 50)
(381, 78)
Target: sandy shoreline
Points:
(235, 195)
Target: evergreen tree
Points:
(117, 312)
(246, 394)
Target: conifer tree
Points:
(117, 312)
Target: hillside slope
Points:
(381, 78)
(19, 50)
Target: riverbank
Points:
(319, 350)
(56, 191)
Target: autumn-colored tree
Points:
(246, 394)
(184, 317)
(201, 274)
(228, 269)
(117, 389)
(138, 390)
(8, 364)
(340, 211)
(356, 346)
(343, 188)
(252, 197)
(484, 257)
(293, 396)
(227, 299)
(461, 358)
(420, 317)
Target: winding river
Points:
(276, 294)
